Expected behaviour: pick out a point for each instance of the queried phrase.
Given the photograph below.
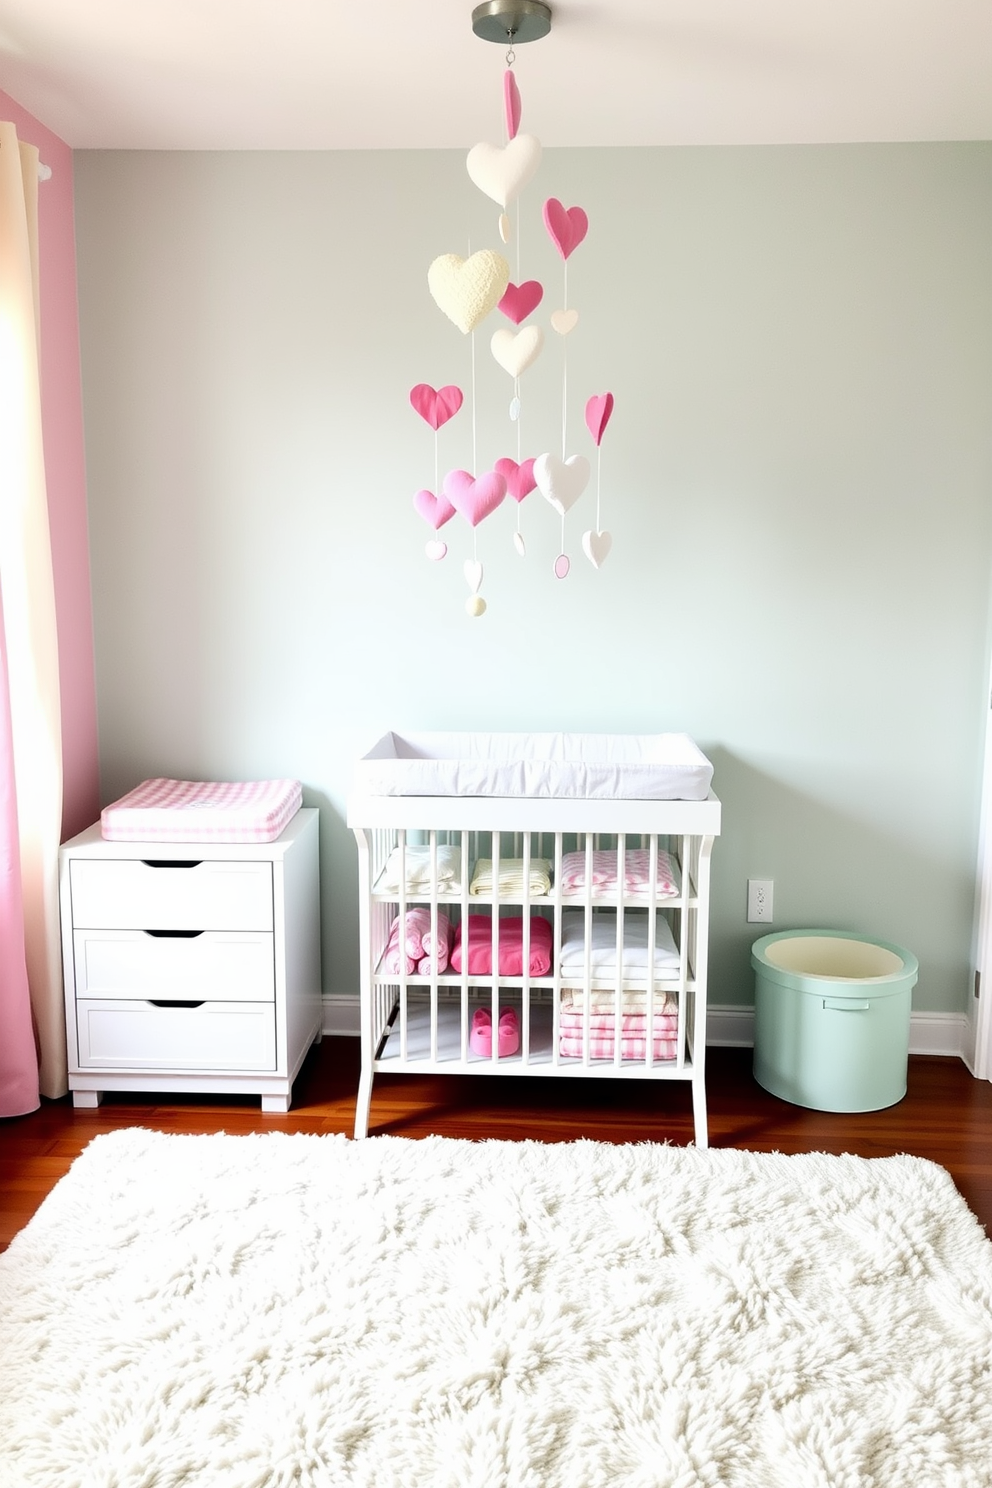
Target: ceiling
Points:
(380, 74)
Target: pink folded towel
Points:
(446, 937)
(510, 948)
(392, 958)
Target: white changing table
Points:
(420, 1024)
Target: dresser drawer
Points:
(206, 965)
(133, 894)
(141, 1036)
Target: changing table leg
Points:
(363, 1104)
(699, 1111)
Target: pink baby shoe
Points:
(480, 1037)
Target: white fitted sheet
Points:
(645, 767)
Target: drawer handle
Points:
(175, 934)
(171, 862)
(174, 1002)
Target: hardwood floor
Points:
(946, 1116)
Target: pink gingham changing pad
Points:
(202, 811)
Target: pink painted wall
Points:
(62, 414)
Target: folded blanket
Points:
(417, 861)
(571, 1021)
(510, 949)
(603, 941)
(603, 1000)
(601, 1046)
(511, 877)
(605, 873)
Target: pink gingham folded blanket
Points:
(605, 876)
(602, 1046)
(602, 1035)
(163, 810)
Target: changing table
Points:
(625, 825)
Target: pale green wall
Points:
(798, 477)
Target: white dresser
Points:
(191, 967)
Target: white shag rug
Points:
(276, 1310)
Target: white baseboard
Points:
(726, 1027)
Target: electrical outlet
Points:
(759, 901)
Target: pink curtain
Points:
(30, 720)
(18, 1059)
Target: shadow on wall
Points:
(833, 869)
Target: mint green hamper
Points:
(831, 1019)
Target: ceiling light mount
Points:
(511, 21)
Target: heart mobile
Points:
(467, 290)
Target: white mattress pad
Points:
(645, 767)
(202, 811)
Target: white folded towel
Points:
(603, 942)
(414, 864)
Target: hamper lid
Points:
(163, 810)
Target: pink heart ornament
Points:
(520, 299)
(561, 481)
(564, 321)
(474, 499)
(566, 227)
(596, 546)
(434, 509)
(511, 104)
(503, 173)
(598, 410)
(519, 478)
(436, 406)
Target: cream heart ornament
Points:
(596, 546)
(515, 350)
(561, 481)
(503, 172)
(473, 574)
(564, 321)
(466, 289)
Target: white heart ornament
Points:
(436, 549)
(504, 227)
(519, 544)
(502, 172)
(466, 289)
(596, 546)
(473, 574)
(515, 350)
(564, 321)
(561, 481)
